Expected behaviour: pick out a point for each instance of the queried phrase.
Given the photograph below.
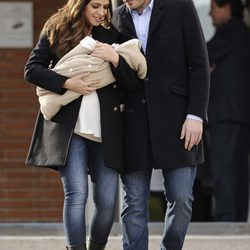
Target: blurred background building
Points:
(26, 194)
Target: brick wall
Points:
(27, 194)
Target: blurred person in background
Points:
(228, 111)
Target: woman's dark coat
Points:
(51, 139)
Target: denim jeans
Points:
(86, 156)
(178, 185)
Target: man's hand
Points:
(192, 132)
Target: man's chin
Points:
(130, 5)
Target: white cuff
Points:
(194, 117)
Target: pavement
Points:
(201, 236)
(204, 242)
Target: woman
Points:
(62, 143)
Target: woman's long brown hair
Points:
(66, 28)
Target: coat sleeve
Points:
(197, 58)
(130, 51)
(37, 68)
(126, 77)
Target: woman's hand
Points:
(79, 85)
(106, 52)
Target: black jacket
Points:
(176, 85)
(51, 139)
(229, 51)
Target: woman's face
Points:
(96, 11)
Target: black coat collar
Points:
(157, 13)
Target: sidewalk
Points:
(208, 236)
(191, 243)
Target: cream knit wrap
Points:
(78, 61)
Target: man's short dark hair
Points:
(237, 7)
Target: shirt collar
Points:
(148, 8)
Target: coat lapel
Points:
(127, 21)
(157, 12)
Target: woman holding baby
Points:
(86, 135)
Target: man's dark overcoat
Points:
(177, 84)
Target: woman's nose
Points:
(101, 11)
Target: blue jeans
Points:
(178, 185)
(85, 155)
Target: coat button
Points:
(50, 64)
(146, 79)
(114, 86)
(115, 108)
(143, 100)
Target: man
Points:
(164, 115)
(229, 117)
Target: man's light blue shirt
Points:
(141, 23)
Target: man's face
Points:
(137, 5)
(219, 14)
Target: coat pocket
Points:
(179, 90)
(168, 34)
